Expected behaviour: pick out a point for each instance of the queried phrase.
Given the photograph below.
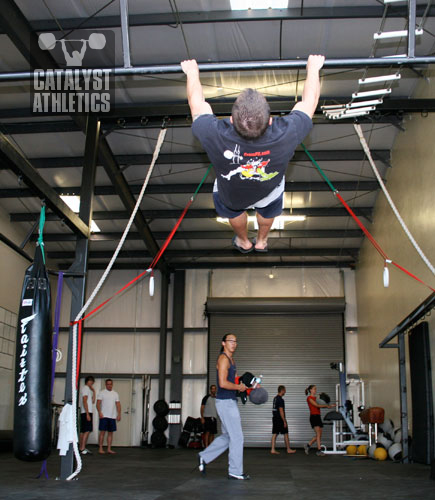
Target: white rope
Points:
(94, 293)
(390, 201)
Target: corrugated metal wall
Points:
(293, 349)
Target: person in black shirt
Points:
(279, 421)
(251, 150)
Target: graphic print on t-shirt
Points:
(253, 166)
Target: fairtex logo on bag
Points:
(80, 79)
(24, 340)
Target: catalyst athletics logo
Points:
(80, 79)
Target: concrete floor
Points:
(168, 475)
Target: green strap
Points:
(322, 173)
(41, 229)
(202, 182)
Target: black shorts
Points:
(316, 421)
(278, 426)
(269, 212)
(85, 424)
(210, 425)
(107, 424)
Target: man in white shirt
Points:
(87, 399)
(109, 411)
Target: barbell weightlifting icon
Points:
(47, 41)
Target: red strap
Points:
(375, 243)
(79, 352)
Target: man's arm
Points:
(85, 405)
(202, 413)
(118, 409)
(282, 415)
(311, 93)
(195, 96)
(99, 408)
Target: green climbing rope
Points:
(41, 230)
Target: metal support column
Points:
(163, 333)
(80, 265)
(403, 397)
(123, 5)
(177, 349)
(412, 8)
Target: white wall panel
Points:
(195, 353)
(193, 392)
(286, 283)
(197, 281)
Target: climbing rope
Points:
(74, 378)
(387, 195)
(372, 240)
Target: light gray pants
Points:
(231, 437)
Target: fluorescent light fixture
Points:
(395, 55)
(395, 1)
(396, 34)
(74, 204)
(376, 79)
(360, 104)
(354, 115)
(357, 95)
(278, 223)
(258, 4)
(332, 106)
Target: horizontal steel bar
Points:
(160, 69)
(207, 235)
(427, 305)
(196, 158)
(197, 214)
(290, 187)
(285, 252)
(225, 16)
(242, 264)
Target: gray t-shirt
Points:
(210, 406)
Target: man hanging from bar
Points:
(250, 151)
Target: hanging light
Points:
(375, 79)
(360, 104)
(396, 34)
(357, 95)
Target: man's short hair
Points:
(251, 114)
(88, 378)
(108, 380)
(281, 388)
(213, 385)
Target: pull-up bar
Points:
(381, 62)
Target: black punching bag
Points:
(32, 415)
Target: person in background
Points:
(315, 419)
(209, 416)
(279, 421)
(87, 399)
(109, 411)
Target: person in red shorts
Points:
(315, 419)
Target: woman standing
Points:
(315, 419)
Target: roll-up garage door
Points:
(290, 342)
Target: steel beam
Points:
(19, 31)
(403, 397)
(344, 262)
(176, 391)
(167, 69)
(225, 16)
(125, 35)
(80, 264)
(202, 158)
(290, 187)
(163, 333)
(12, 158)
(177, 254)
(209, 235)
(204, 213)
(412, 9)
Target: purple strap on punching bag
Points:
(55, 343)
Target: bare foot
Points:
(111, 452)
(291, 451)
(274, 452)
(101, 452)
